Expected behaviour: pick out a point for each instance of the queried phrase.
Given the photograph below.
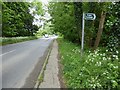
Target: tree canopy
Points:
(67, 19)
(16, 19)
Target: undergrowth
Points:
(95, 69)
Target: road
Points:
(22, 62)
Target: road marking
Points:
(7, 52)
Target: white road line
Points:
(7, 52)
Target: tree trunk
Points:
(100, 29)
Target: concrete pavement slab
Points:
(51, 79)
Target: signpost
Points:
(90, 16)
(86, 16)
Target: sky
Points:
(43, 1)
(37, 20)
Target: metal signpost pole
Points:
(82, 41)
(86, 16)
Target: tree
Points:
(63, 20)
(78, 17)
(37, 6)
(100, 30)
(17, 21)
(67, 19)
(101, 23)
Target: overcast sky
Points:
(37, 20)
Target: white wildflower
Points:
(106, 50)
(114, 55)
(109, 58)
(104, 58)
(117, 52)
(115, 67)
(103, 54)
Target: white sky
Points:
(37, 20)
(43, 1)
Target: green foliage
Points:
(92, 70)
(45, 30)
(98, 69)
(41, 32)
(112, 23)
(111, 35)
(5, 41)
(63, 20)
(38, 8)
(67, 19)
(16, 19)
(0, 18)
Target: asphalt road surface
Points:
(22, 62)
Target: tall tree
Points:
(63, 20)
(78, 10)
(17, 21)
(67, 19)
(100, 29)
(104, 7)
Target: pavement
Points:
(51, 79)
(22, 62)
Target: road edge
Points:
(44, 65)
(60, 67)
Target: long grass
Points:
(11, 40)
(92, 70)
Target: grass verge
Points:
(92, 70)
(5, 40)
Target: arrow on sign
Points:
(90, 16)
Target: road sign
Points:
(90, 16)
(86, 16)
